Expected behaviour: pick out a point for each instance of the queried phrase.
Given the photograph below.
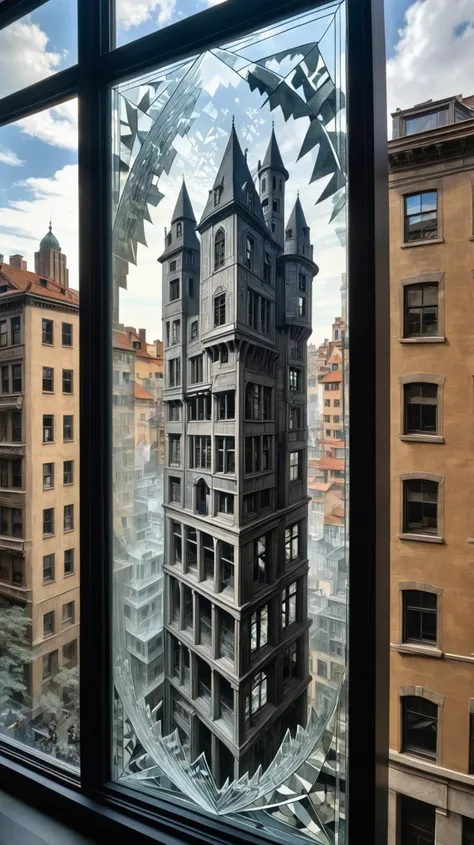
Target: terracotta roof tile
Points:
(141, 393)
(334, 375)
(23, 281)
(331, 463)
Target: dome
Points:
(49, 241)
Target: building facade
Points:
(236, 320)
(431, 161)
(39, 463)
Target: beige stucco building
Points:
(39, 460)
(432, 474)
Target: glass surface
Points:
(424, 122)
(35, 47)
(39, 465)
(136, 18)
(229, 168)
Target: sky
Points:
(430, 50)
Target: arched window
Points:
(219, 249)
(219, 310)
(419, 726)
(202, 497)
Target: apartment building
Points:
(431, 161)
(39, 458)
(236, 319)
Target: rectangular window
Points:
(67, 381)
(196, 369)
(225, 403)
(260, 560)
(68, 472)
(47, 332)
(225, 503)
(258, 629)
(295, 465)
(16, 427)
(50, 663)
(421, 310)
(419, 617)
(301, 306)
(420, 506)
(256, 698)
(15, 328)
(194, 329)
(174, 411)
(200, 452)
(175, 332)
(174, 449)
(16, 471)
(174, 372)
(48, 567)
(17, 380)
(417, 822)
(6, 379)
(48, 380)
(219, 310)
(48, 428)
(421, 216)
(48, 624)
(295, 379)
(227, 566)
(48, 476)
(421, 408)
(225, 454)
(419, 726)
(172, 266)
(69, 561)
(68, 613)
(4, 474)
(70, 654)
(176, 542)
(175, 490)
(66, 334)
(292, 542)
(68, 517)
(302, 282)
(68, 427)
(174, 290)
(288, 605)
(3, 333)
(200, 408)
(295, 417)
(322, 669)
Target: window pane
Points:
(35, 47)
(238, 462)
(136, 19)
(39, 680)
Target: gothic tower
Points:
(272, 176)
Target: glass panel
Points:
(33, 48)
(284, 87)
(39, 517)
(136, 19)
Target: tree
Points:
(65, 685)
(15, 651)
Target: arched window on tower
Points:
(219, 249)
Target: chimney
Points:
(18, 262)
(1, 258)
(142, 334)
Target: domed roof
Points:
(49, 241)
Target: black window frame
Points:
(423, 215)
(67, 335)
(421, 311)
(412, 707)
(420, 411)
(418, 506)
(99, 65)
(420, 617)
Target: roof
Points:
(121, 341)
(49, 241)
(141, 393)
(332, 519)
(323, 486)
(183, 209)
(331, 463)
(23, 281)
(297, 220)
(273, 159)
(234, 181)
(333, 375)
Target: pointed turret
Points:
(272, 176)
(183, 209)
(182, 232)
(233, 184)
(297, 235)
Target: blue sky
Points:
(430, 50)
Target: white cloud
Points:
(56, 126)
(24, 222)
(135, 12)
(9, 157)
(432, 60)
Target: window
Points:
(258, 312)
(66, 334)
(68, 427)
(68, 517)
(264, 185)
(421, 216)
(332, 385)
(227, 566)
(6, 379)
(267, 268)
(256, 698)
(290, 665)
(421, 310)
(48, 428)
(419, 616)
(179, 229)
(425, 122)
(225, 403)
(276, 205)
(327, 419)
(225, 503)
(16, 470)
(50, 663)
(176, 542)
(258, 629)
(68, 613)
(174, 450)
(258, 402)
(48, 624)
(219, 249)
(3, 333)
(48, 567)
(47, 332)
(172, 264)
(417, 822)
(288, 605)
(174, 290)
(48, 380)
(420, 506)
(292, 536)
(17, 522)
(219, 310)
(421, 408)
(301, 306)
(68, 472)
(419, 726)
(174, 372)
(70, 654)
(217, 195)
(322, 669)
(67, 381)
(17, 378)
(260, 560)
(295, 417)
(249, 252)
(15, 327)
(295, 379)
(175, 489)
(16, 427)
(225, 454)
(69, 561)
(200, 408)
(200, 452)
(196, 369)
(48, 476)
(174, 411)
(288, 234)
(302, 283)
(175, 332)
(295, 465)
(194, 329)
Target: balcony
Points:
(12, 544)
(11, 450)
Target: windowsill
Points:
(418, 755)
(48, 442)
(417, 648)
(48, 392)
(428, 339)
(48, 488)
(421, 538)
(65, 346)
(421, 438)
(68, 530)
(47, 536)
(67, 484)
(68, 574)
(47, 344)
(425, 242)
(49, 581)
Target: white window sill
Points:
(419, 649)
(421, 538)
(424, 242)
(421, 339)
(421, 438)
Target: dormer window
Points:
(289, 234)
(179, 229)
(305, 232)
(426, 122)
(43, 283)
(217, 195)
